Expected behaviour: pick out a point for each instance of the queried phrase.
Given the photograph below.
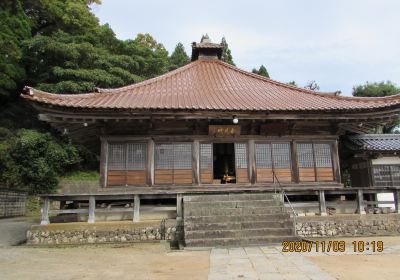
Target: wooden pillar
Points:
(294, 165)
(252, 162)
(396, 196)
(45, 212)
(92, 209)
(196, 162)
(103, 163)
(179, 208)
(322, 203)
(136, 209)
(150, 162)
(360, 202)
(336, 161)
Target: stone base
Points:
(348, 225)
(98, 233)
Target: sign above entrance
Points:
(224, 130)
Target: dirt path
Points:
(144, 261)
(13, 230)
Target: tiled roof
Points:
(211, 85)
(374, 142)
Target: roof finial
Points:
(206, 49)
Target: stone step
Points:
(253, 240)
(231, 204)
(241, 218)
(237, 225)
(240, 233)
(234, 211)
(231, 197)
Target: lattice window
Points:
(395, 169)
(281, 155)
(136, 153)
(183, 156)
(263, 155)
(164, 156)
(206, 156)
(116, 156)
(305, 157)
(241, 155)
(386, 175)
(323, 155)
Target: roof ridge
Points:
(331, 95)
(148, 81)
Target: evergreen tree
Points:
(14, 29)
(262, 71)
(226, 53)
(178, 57)
(376, 89)
(293, 83)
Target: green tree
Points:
(32, 161)
(178, 57)
(293, 83)
(376, 89)
(262, 71)
(151, 56)
(226, 53)
(14, 29)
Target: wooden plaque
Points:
(224, 130)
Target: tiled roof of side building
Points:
(211, 85)
(374, 142)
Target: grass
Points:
(33, 206)
(87, 175)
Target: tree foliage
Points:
(262, 71)
(178, 57)
(226, 53)
(376, 89)
(14, 29)
(32, 161)
(312, 85)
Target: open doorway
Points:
(224, 162)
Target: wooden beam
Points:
(336, 161)
(150, 162)
(45, 212)
(179, 206)
(396, 196)
(294, 165)
(136, 209)
(92, 209)
(196, 162)
(322, 203)
(252, 162)
(103, 163)
(360, 202)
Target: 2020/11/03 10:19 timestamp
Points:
(331, 246)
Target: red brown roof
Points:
(211, 84)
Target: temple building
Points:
(210, 127)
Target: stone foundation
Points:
(348, 225)
(80, 233)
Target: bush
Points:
(32, 161)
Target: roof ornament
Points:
(206, 50)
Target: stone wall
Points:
(12, 203)
(122, 232)
(348, 225)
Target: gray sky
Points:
(337, 43)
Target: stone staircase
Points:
(235, 220)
